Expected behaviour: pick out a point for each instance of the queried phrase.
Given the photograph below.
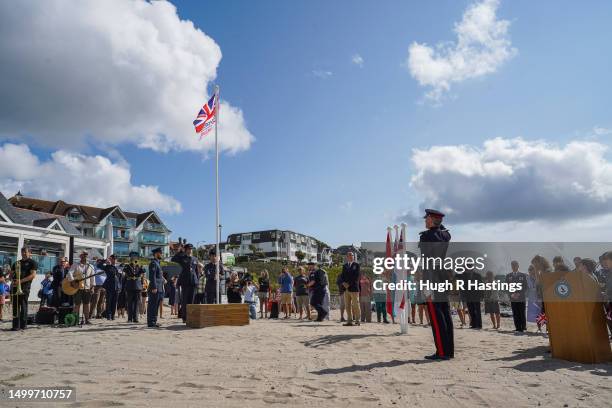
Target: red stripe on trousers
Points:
(434, 321)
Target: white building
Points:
(49, 236)
(277, 244)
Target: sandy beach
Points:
(277, 363)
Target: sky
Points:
(338, 119)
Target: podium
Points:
(233, 314)
(576, 322)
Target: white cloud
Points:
(357, 60)
(319, 73)
(482, 46)
(515, 180)
(601, 131)
(77, 178)
(114, 71)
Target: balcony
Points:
(150, 226)
(122, 238)
(153, 240)
(119, 222)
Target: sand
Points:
(275, 362)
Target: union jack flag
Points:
(207, 117)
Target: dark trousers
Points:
(133, 296)
(187, 293)
(20, 302)
(475, 315)
(153, 307)
(316, 301)
(519, 315)
(381, 310)
(199, 298)
(111, 304)
(442, 328)
(211, 298)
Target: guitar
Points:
(71, 287)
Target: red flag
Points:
(389, 254)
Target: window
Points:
(246, 237)
(255, 236)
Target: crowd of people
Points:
(107, 289)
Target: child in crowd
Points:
(250, 293)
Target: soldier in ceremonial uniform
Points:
(112, 286)
(133, 289)
(28, 268)
(156, 288)
(433, 243)
(188, 279)
(210, 271)
(317, 281)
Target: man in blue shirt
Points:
(285, 280)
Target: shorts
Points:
(82, 296)
(302, 301)
(2, 299)
(285, 298)
(341, 300)
(263, 295)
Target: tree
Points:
(300, 255)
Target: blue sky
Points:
(333, 139)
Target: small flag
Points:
(207, 117)
(541, 319)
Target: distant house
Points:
(276, 244)
(126, 231)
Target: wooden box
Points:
(234, 314)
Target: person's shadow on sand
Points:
(368, 367)
(336, 338)
(533, 364)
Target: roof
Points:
(43, 220)
(8, 209)
(90, 214)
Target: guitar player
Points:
(83, 273)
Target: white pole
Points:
(405, 294)
(217, 233)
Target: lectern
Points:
(576, 321)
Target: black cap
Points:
(433, 213)
(213, 252)
(188, 246)
(311, 263)
(112, 256)
(156, 250)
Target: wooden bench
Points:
(234, 314)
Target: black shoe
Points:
(436, 357)
(135, 321)
(342, 319)
(348, 324)
(386, 322)
(358, 323)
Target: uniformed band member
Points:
(433, 242)
(112, 286)
(317, 281)
(156, 288)
(188, 279)
(133, 288)
(517, 299)
(211, 277)
(28, 268)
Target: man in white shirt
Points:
(82, 273)
(98, 294)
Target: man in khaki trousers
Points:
(350, 280)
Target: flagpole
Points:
(217, 232)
